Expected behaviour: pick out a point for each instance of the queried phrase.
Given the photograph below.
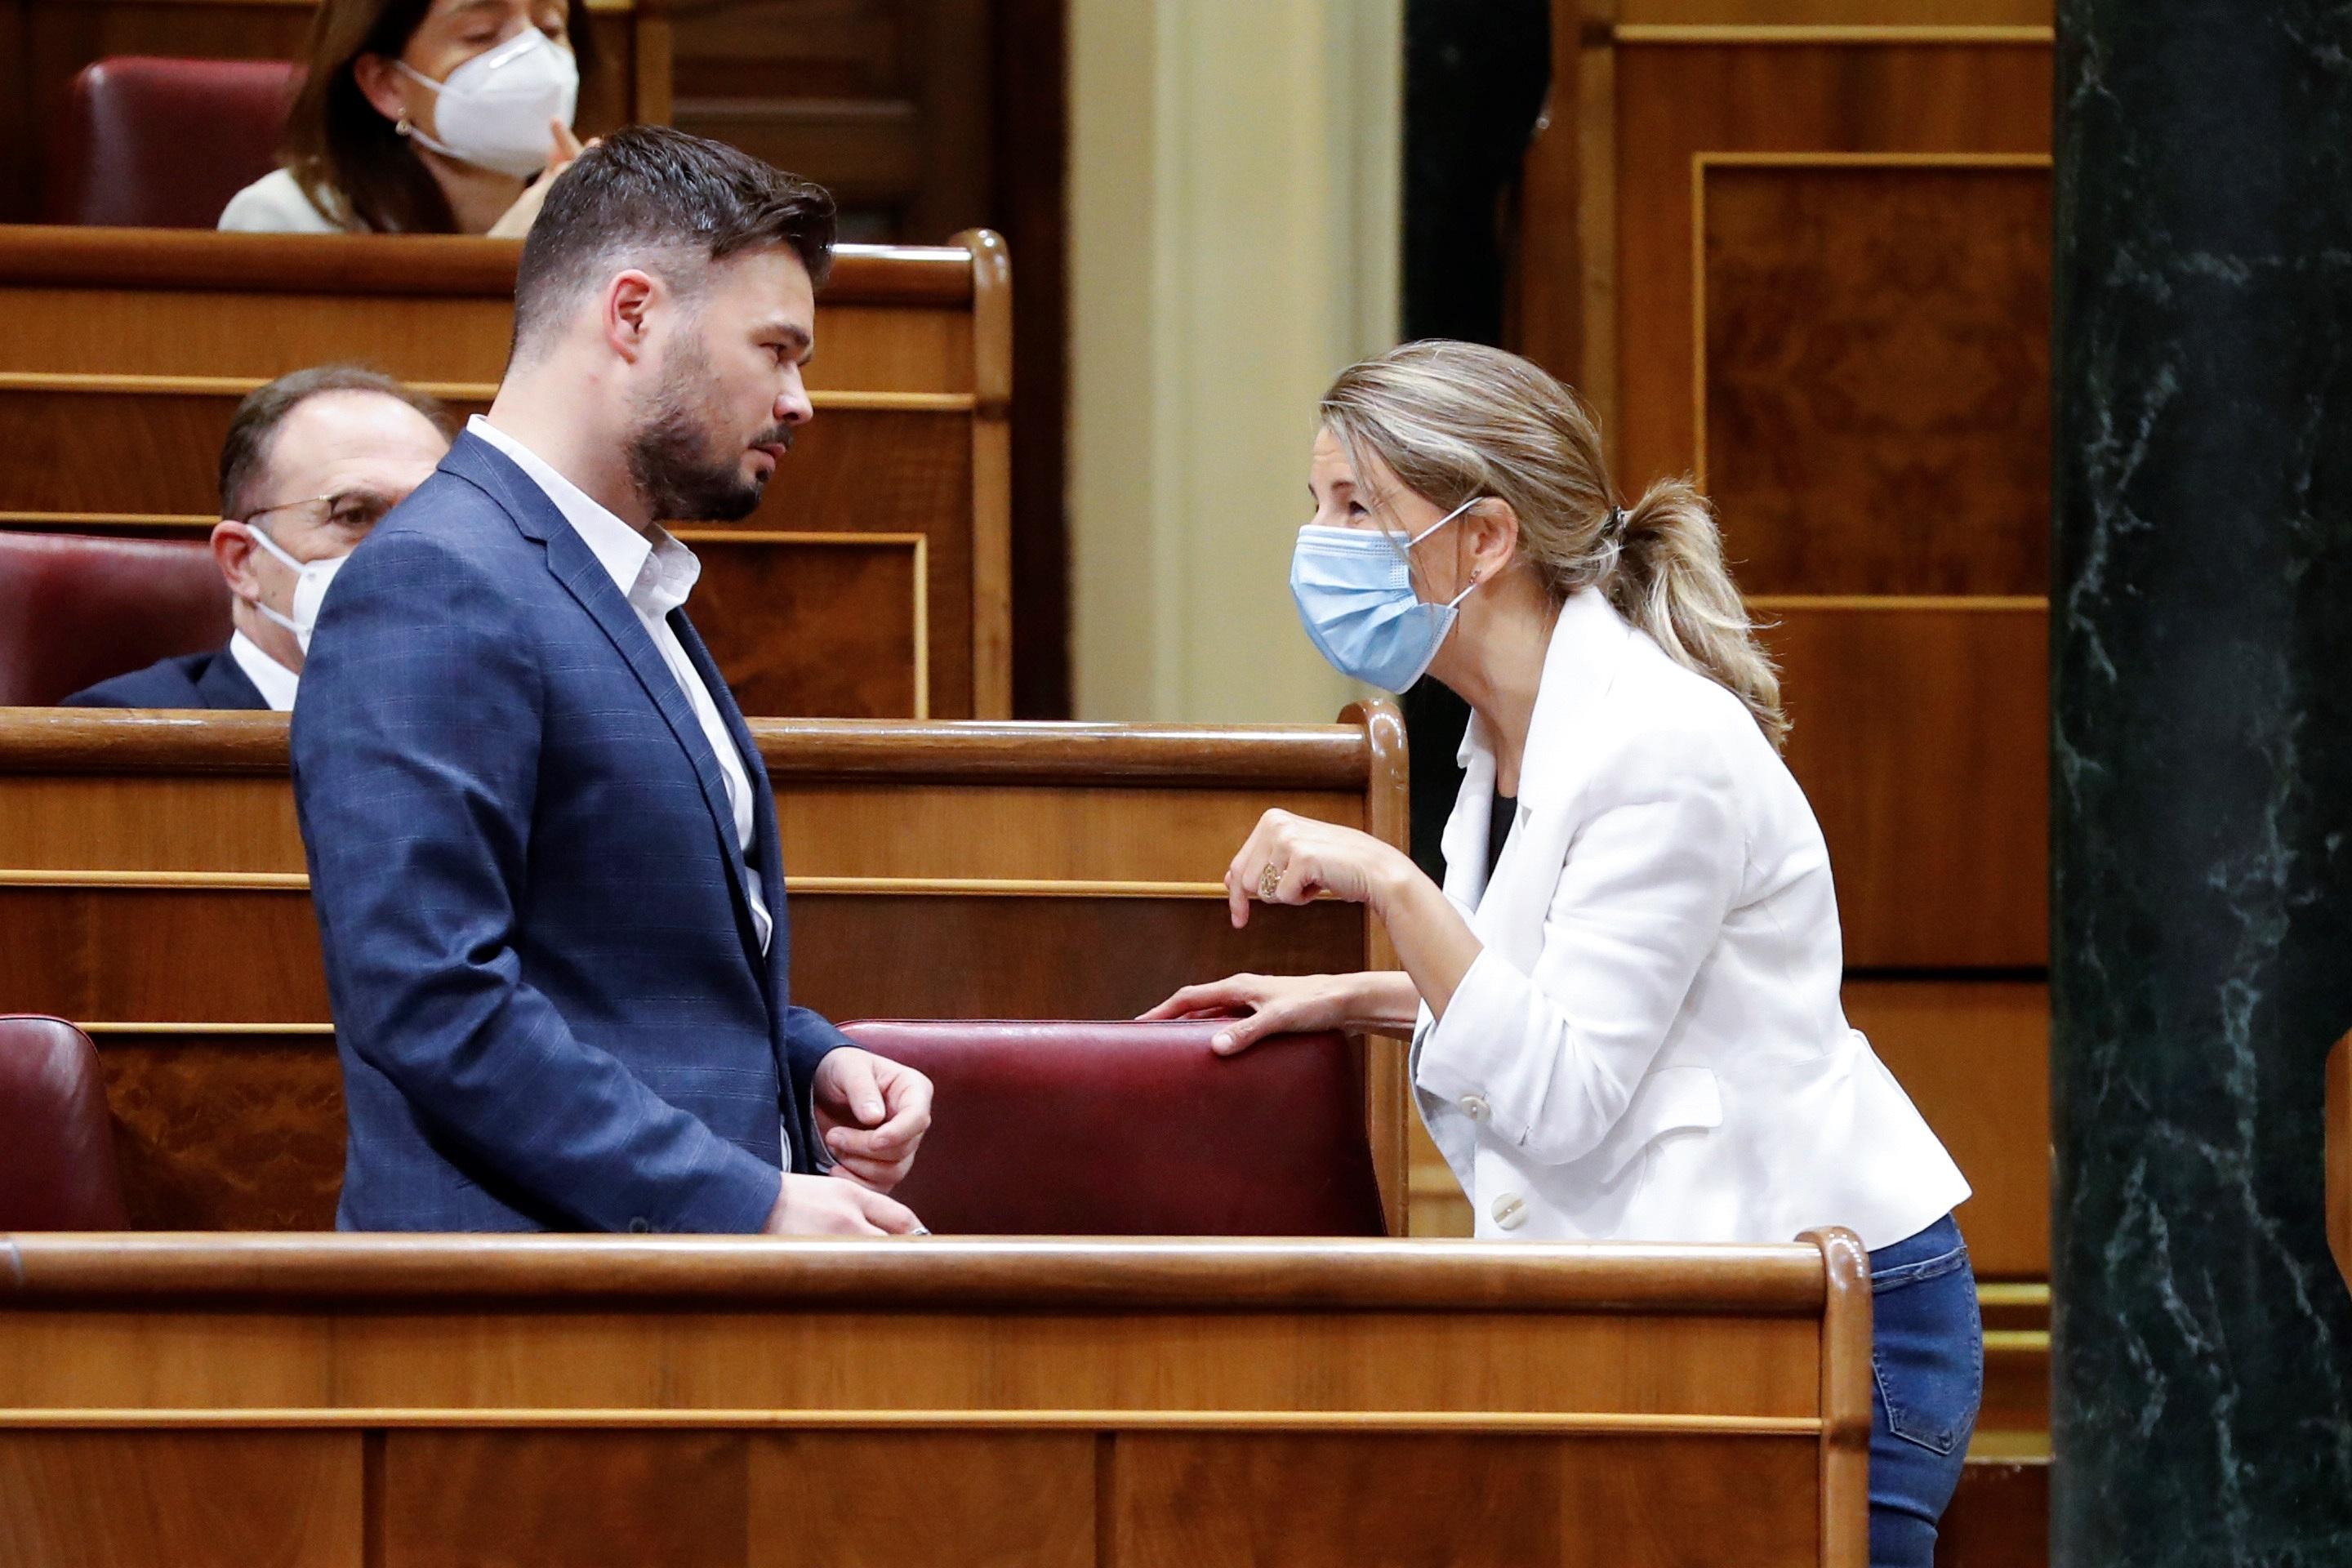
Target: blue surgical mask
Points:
(1354, 589)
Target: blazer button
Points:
(1510, 1211)
(641, 1226)
(1475, 1108)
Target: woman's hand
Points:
(1273, 1004)
(1291, 859)
(516, 221)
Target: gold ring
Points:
(1268, 880)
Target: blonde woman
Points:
(1623, 1002)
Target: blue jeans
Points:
(1927, 1358)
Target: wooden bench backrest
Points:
(874, 581)
(153, 890)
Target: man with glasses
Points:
(312, 461)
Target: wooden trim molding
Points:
(395, 264)
(912, 1272)
(882, 751)
(1637, 35)
(529, 1418)
(1845, 1405)
(892, 887)
(2011, 604)
(2339, 1156)
(86, 381)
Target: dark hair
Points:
(671, 203)
(350, 161)
(244, 455)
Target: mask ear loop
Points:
(1456, 601)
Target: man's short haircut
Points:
(245, 455)
(671, 203)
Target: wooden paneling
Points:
(886, 103)
(872, 582)
(151, 881)
(1999, 1517)
(742, 1401)
(195, 1500)
(1919, 739)
(1677, 102)
(913, 1499)
(60, 37)
(1944, 1041)
(1875, 374)
(1508, 1502)
(585, 1499)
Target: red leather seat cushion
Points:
(150, 142)
(57, 1141)
(81, 609)
(1063, 1129)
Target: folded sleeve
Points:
(416, 759)
(1649, 880)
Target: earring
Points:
(400, 126)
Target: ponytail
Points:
(1670, 582)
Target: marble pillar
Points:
(2202, 642)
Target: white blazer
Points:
(276, 203)
(1651, 1047)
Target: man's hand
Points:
(823, 1205)
(871, 1114)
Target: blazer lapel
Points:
(576, 567)
(1581, 662)
(767, 848)
(224, 684)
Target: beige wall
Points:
(1234, 241)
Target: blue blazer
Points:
(548, 996)
(211, 680)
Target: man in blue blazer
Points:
(542, 847)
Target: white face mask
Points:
(494, 110)
(310, 580)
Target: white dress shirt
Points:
(655, 575)
(1650, 1047)
(272, 679)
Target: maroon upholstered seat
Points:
(80, 610)
(1047, 1128)
(150, 142)
(58, 1172)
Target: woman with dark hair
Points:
(426, 117)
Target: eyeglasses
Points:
(355, 511)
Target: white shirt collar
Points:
(272, 679)
(654, 575)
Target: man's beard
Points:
(670, 459)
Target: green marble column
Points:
(2202, 642)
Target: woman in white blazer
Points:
(1623, 1002)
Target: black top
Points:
(198, 681)
(1501, 816)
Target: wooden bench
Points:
(874, 581)
(50, 40)
(932, 1402)
(153, 888)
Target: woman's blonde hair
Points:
(1459, 421)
